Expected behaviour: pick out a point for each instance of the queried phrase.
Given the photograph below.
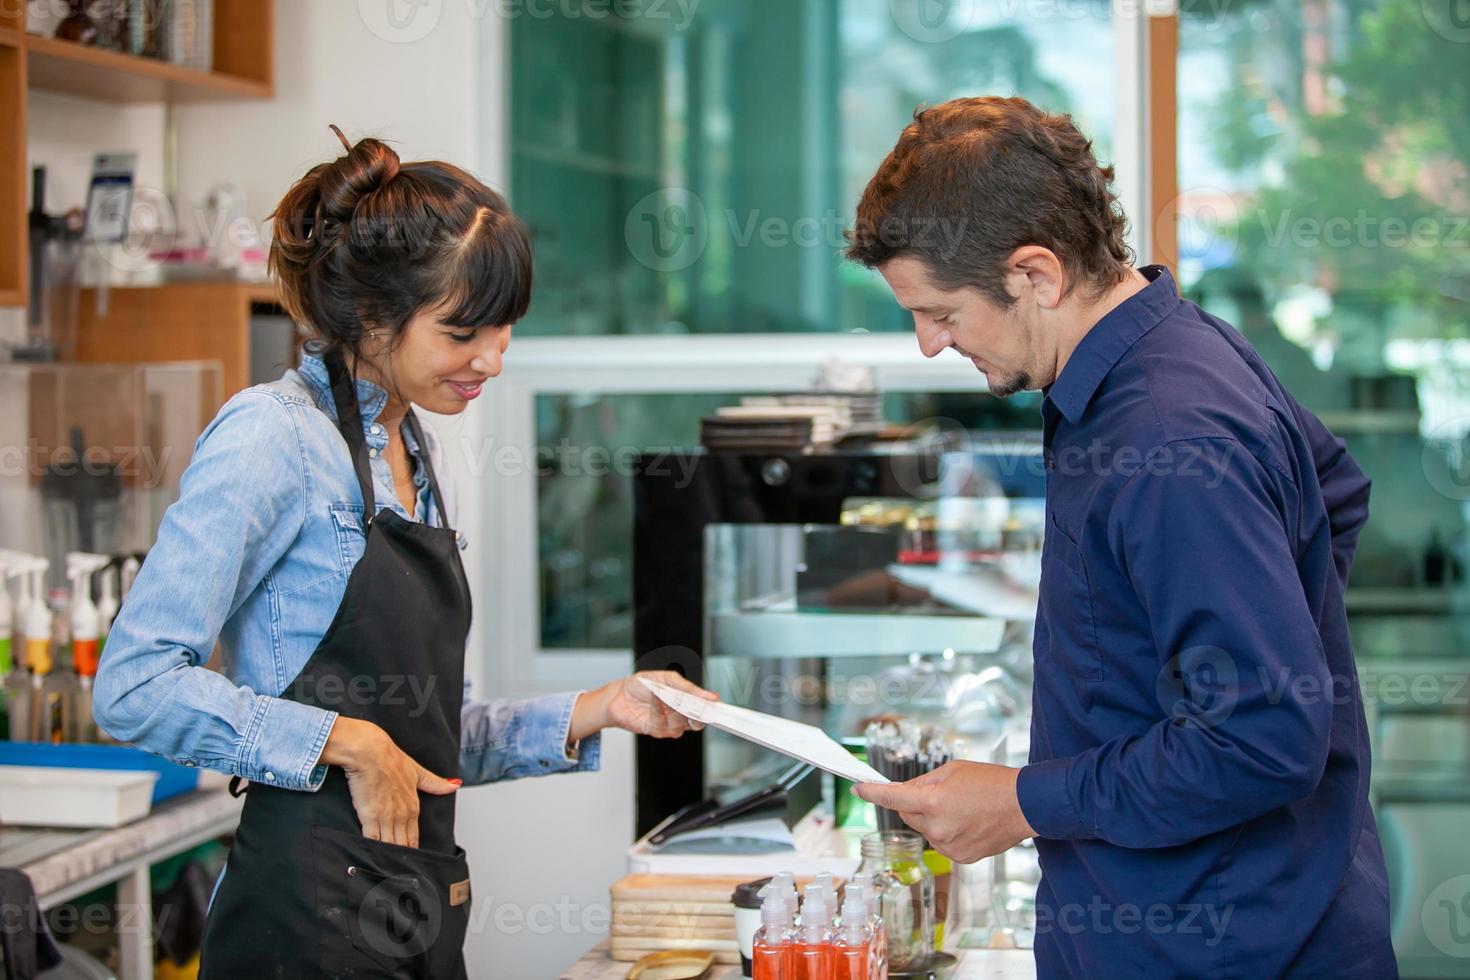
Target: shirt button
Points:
(372, 454)
(270, 777)
(376, 430)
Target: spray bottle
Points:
(773, 953)
(829, 893)
(85, 643)
(854, 936)
(785, 882)
(36, 630)
(19, 694)
(878, 945)
(18, 567)
(130, 567)
(814, 952)
(106, 603)
(48, 709)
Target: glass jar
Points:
(905, 889)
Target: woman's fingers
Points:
(677, 680)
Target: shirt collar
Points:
(370, 397)
(1109, 339)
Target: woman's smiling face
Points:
(439, 367)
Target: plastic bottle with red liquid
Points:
(773, 954)
(854, 937)
(816, 957)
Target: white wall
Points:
(332, 68)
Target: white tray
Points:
(45, 796)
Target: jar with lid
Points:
(904, 886)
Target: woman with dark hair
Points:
(312, 539)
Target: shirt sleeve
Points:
(242, 503)
(1211, 563)
(1345, 489)
(503, 739)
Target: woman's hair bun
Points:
(368, 166)
(364, 241)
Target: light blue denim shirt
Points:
(256, 554)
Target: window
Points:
(1323, 165)
(697, 177)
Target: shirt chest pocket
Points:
(1066, 596)
(351, 535)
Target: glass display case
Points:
(893, 585)
(836, 589)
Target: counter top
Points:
(975, 964)
(64, 863)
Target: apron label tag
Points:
(459, 893)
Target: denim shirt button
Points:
(270, 777)
(373, 453)
(376, 430)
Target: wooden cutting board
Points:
(637, 906)
(623, 931)
(684, 888)
(677, 888)
(628, 917)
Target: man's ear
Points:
(1036, 270)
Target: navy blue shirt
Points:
(1199, 755)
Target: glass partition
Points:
(694, 175)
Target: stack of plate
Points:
(657, 912)
(791, 423)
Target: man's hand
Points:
(966, 810)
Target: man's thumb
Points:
(437, 785)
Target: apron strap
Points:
(349, 422)
(418, 434)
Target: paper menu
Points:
(796, 739)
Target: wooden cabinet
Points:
(206, 321)
(244, 68)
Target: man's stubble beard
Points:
(1013, 385)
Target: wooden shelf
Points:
(110, 76)
(244, 68)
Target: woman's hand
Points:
(384, 782)
(629, 705)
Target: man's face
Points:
(1000, 342)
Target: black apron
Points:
(305, 894)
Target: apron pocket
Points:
(387, 907)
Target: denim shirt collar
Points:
(1109, 339)
(370, 397)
